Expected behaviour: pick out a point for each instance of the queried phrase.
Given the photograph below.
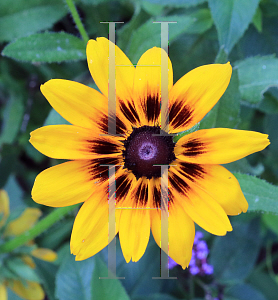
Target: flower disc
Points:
(146, 149)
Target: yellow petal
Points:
(44, 254)
(90, 228)
(219, 145)
(134, 222)
(3, 292)
(198, 204)
(24, 222)
(219, 183)
(30, 290)
(147, 85)
(73, 142)
(69, 183)
(28, 261)
(4, 207)
(181, 231)
(98, 62)
(77, 103)
(134, 232)
(195, 94)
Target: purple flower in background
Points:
(171, 263)
(198, 264)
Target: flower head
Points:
(15, 280)
(200, 190)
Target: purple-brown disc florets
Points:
(145, 149)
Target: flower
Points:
(198, 264)
(26, 289)
(200, 190)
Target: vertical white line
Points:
(164, 225)
(111, 225)
(111, 170)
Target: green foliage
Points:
(47, 272)
(148, 35)
(260, 195)
(106, 289)
(256, 76)
(245, 291)
(46, 47)
(229, 252)
(23, 271)
(177, 3)
(264, 283)
(226, 111)
(12, 118)
(271, 222)
(231, 18)
(29, 20)
(80, 280)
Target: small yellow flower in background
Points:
(29, 290)
(200, 190)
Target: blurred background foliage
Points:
(39, 40)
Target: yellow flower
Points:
(200, 190)
(28, 289)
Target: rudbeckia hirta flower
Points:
(14, 265)
(200, 190)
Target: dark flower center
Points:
(145, 150)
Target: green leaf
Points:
(258, 20)
(138, 276)
(106, 289)
(180, 135)
(47, 272)
(80, 280)
(8, 160)
(245, 291)
(226, 112)
(229, 105)
(54, 118)
(95, 2)
(203, 21)
(233, 256)
(12, 119)
(269, 103)
(264, 283)
(73, 280)
(256, 75)
(56, 234)
(261, 195)
(271, 222)
(30, 20)
(149, 34)
(25, 272)
(231, 18)
(177, 3)
(152, 8)
(7, 9)
(124, 33)
(222, 56)
(157, 296)
(46, 47)
(243, 166)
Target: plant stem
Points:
(77, 20)
(40, 227)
